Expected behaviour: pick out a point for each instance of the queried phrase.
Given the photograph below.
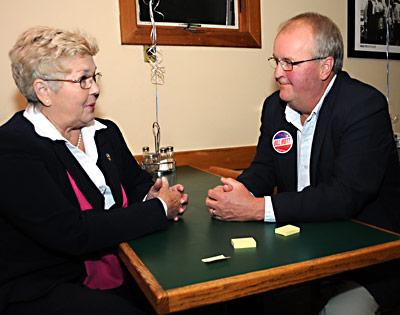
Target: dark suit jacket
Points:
(354, 167)
(44, 237)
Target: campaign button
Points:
(282, 141)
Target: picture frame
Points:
(366, 36)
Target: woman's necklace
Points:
(79, 139)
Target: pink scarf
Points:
(106, 272)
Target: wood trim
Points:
(376, 227)
(173, 300)
(274, 278)
(144, 278)
(248, 34)
(224, 172)
(234, 158)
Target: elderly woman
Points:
(71, 190)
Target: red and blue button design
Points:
(282, 141)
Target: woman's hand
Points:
(174, 197)
(154, 190)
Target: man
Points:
(371, 22)
(396, 23)
(327, 147)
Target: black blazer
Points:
(354, 171)
(44, 237)
(354, 167)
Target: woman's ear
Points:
(42, 90)
(326, 67)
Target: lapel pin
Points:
(108, 156)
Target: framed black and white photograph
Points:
(373, 29)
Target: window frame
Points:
(247, 35)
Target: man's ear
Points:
(42, 90)
(326, 67)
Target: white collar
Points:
(45, 128)
(293, 116)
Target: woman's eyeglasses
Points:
(85, 82)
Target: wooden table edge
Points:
(144, 278)
(220, 290)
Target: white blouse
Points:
(87, 160)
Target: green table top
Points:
(174, 256)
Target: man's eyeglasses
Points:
(286, 64)
(85, 82)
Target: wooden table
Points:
(167, 265)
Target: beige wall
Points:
(212, 97)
